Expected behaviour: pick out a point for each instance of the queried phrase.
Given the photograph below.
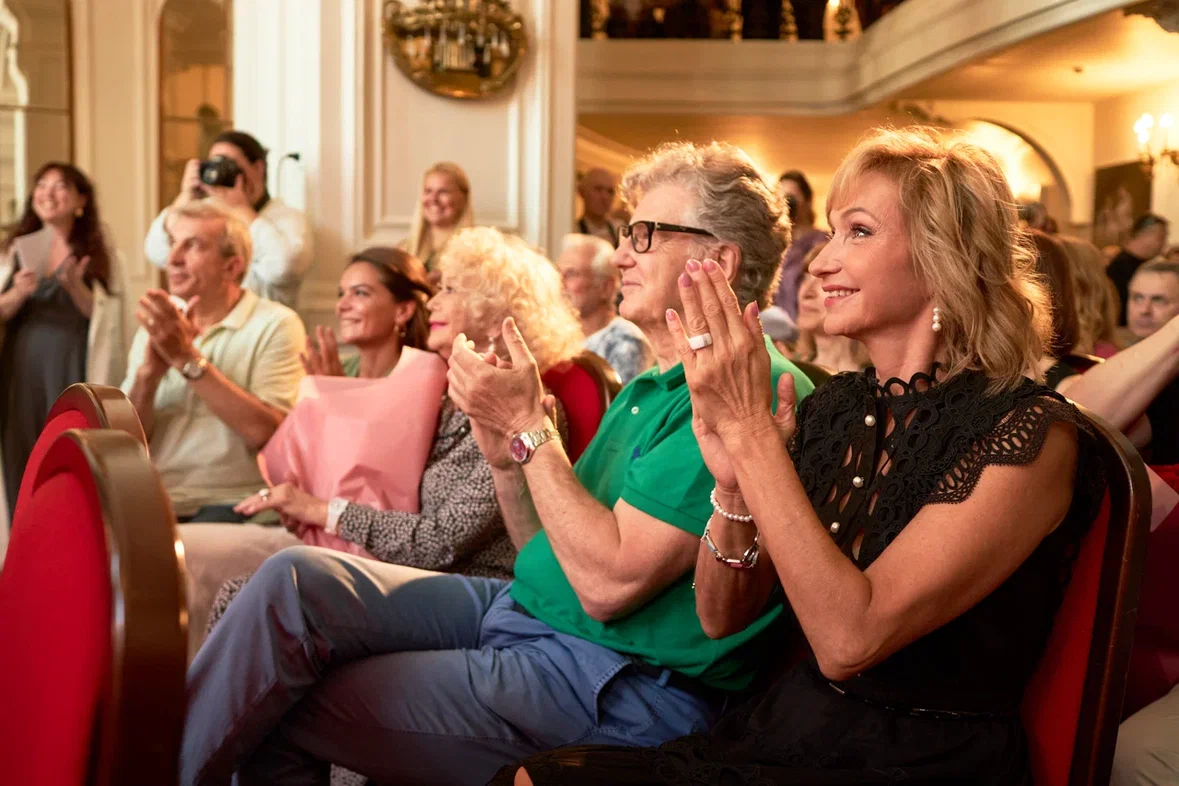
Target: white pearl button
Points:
(834, 527)
(634, 410)
(870, 420)
(858, 482)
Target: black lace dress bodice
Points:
(945, 708)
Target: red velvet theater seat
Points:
(92, 621)
(82, 406)
(1073, 705)
(585, 386)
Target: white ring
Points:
(264, 494)
(700, 342)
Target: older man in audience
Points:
(413, 677)
(597, 189)
(1148, 238)
(214, 368)
(591, 285)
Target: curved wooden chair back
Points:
(93, 621)
(1073, 704)
(81, 406)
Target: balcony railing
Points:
(789, 20)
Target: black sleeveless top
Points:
(943, 710)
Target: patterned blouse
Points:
(459, 530)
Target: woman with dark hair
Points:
(1052, 265)
(60, 322)
(381, 308)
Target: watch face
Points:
(519, 449)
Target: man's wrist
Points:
(186, 356)
(536, 421)
(150, 376)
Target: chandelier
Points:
(1146, 130)
(457, 48)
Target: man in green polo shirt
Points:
(413, 677)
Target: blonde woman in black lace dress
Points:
(918, 518)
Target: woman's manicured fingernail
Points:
(693, 266)
(709, 265)
(756, 310)
(671, 315)
(685, 280)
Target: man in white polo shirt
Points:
(213, 380)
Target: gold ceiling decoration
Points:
(457, 48)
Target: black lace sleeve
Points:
(1017, 441)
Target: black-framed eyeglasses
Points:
(641, 232)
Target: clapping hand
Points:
(72, 272)
(730, 379)
(169, 330)
(24, 283)
(323, 357)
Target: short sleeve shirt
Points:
(201, 460)
(646, 454)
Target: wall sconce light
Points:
(1148, 154)
(457, 48)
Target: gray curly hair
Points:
(733, 202)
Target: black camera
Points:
(219, 171)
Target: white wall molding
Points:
(915, 42)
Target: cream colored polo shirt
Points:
(201, 460)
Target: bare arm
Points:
(23, 284)
(253, 419)
(729, 600)
(10, 303)
(854, 620)
(515, 502)
(1120, 389)
(615, 560)
(143, 395)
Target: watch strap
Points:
(336, 508)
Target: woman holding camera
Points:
(58, 313)
(235, 173)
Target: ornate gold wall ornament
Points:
(457, 48)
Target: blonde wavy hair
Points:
(966, 248)
(418, 242)
(733, 202)
(1096, 297)
(498, 276)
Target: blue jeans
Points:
(405, 676)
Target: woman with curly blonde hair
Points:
(918, 518)
(487, 276)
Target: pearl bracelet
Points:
(724, 513)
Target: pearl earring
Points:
(937, 320)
